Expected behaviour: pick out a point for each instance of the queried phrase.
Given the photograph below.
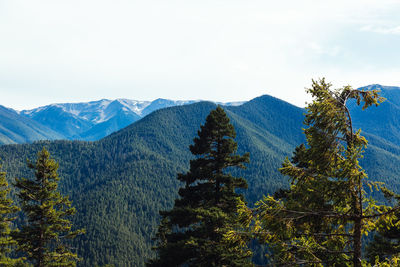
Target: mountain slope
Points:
(15, 128)
(120, 119)
(66, 124)
(382, 121)
(87, 121)
(93, 111)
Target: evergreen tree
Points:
(386, 242)
(193, 232)
(321, 219)
(47, 213)
(6, 209)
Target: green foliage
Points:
(393, 261)
(386, 241)
(192, 233)
(47, 213)
(6, 209)
(321, 219)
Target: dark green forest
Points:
(120, 183)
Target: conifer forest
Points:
(264, 183)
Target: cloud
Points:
(226, 50)
(381, 30)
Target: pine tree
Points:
(47, 213)
(321, 219)
(6, 210)
(193, 232)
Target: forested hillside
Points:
(120, 183)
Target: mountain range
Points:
(119, 183)
(87, 121)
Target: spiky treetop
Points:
(47, 213)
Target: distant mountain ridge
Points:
(88, 121)
(94, 120)
(104, 109)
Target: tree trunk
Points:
(357, 237)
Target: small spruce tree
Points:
(6, 210)
(193, 232)
(47, 213)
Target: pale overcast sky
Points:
(223, 50)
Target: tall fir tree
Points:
(321, 219)
(7, 210)
(193, 232)
(47, 213)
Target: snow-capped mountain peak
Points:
(96, 119)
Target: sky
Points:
(54, 51)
